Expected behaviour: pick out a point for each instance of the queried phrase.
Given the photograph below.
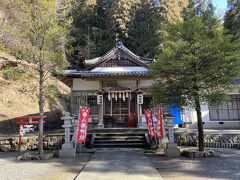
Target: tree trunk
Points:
(200, 125)
(41, 110)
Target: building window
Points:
(228, 111)
(88, 99)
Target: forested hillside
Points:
(96, 25)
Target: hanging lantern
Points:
(123, 96)
(115, 96)
(120, 95)
(126, 94)
(109, 96)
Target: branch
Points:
(32, 66)
(48, 70)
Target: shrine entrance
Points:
(120, 112)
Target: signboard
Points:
(82, 124)
(149, 120)
(159, 131)
(140, 98)
(99, 99)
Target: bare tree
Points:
(32, 32)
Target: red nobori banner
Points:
(149, 120)
(82, 124)
(159, 131)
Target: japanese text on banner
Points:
(159, 131)
(82, 124)
(149, 120)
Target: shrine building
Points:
(116, 88)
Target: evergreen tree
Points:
(97, 26)
(143, 33)
(144, 37)
(80, 45)
(197, 63)
(232, 19)
(118, 17)
(171, 10)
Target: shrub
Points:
(14, 73)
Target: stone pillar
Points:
(139, 110)
(101, 123)
(100, 102)
(68, 150)
(172, 149)
(170, 126)
(74, 125)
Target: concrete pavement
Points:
(119, 165)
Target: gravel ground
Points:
(227, 166)
(53, 169)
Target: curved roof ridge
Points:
(108, 53)
(92, 61)
(98, 60)
(129, 51)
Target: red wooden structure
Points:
(26, 120)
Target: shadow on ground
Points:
(55, 168)
(225, 167)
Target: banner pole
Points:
(76, 142)
(77, 131)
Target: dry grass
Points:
(20, 97)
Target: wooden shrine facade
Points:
(119, 78)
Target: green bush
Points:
(13, 73)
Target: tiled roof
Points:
(237, 82)
(88, 74)
(115, 50)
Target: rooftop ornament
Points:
(119, 44)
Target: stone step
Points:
(118, 141)
(129, 145)
(118, 130)
(118, 137)
(119, 134)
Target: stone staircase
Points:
(119, 137)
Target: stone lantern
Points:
(172, 149)
(68, 149)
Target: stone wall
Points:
(29, 143)
(192, 139)
(53, 142)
